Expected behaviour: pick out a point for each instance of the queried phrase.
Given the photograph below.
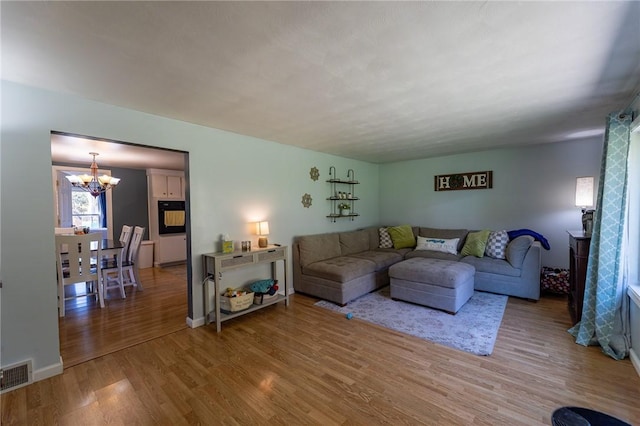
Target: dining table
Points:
(108, 247)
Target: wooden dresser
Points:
(578, 256)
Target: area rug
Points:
(473, 329)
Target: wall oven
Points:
(171, 217)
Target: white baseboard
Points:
(635, 360)
(197, 322)
(634, 294)
(48, 371)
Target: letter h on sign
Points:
(443, 182)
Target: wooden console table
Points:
(215, 264)
(579, 243)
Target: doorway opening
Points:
(164, 306)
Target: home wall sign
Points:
(458, 181)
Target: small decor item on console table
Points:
(235, 300)
(227, 244)
(262, 230)
(265, 290)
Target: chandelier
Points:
(93, 183)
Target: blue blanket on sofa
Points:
(539, 237)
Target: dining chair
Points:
(125, 235)
(112, 274)
(125, 238)
(74, 255)
(123, 272)
(132, 258)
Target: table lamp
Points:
(584, 199)
(262, 229)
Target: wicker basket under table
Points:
(235, 304)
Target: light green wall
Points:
(234, 179)
(533, 187)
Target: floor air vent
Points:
(15, 376)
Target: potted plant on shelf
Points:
(344, 209)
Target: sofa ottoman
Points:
(436, 283)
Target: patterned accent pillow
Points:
(497, 244)
(385, 238)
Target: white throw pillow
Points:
(438, 244)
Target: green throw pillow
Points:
(475, 244)
(402, 236)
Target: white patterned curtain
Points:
(605, 312)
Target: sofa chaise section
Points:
(340, 266)
(518, 275)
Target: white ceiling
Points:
(375, 81)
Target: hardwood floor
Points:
(88, 332)
(305, 365)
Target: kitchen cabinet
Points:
(167, 187)
(171, 248)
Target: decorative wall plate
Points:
(314, 173)
(306, 200)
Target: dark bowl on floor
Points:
(577, 416)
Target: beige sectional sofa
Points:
(342, 266)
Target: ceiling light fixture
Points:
(93, 183)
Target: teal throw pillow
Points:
(475, 244)
(402, 236)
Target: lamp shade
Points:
(584, 191)
(262, 228)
